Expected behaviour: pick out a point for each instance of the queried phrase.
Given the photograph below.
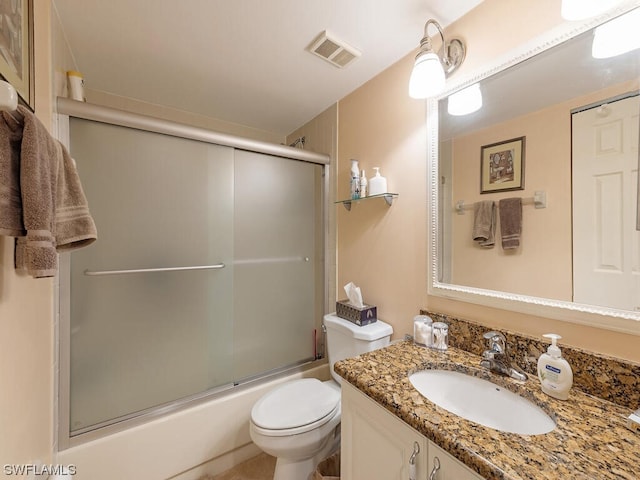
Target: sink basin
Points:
(482, 401)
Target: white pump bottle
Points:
(554, 372)
(377, 183)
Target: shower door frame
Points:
(67, 108)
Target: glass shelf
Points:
(388, 198)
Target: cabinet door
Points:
(449, 467)
(375, 444)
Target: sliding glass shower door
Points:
(207, 270)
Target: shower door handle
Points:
(95, 273)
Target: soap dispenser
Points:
(554, 371)
(377, 183)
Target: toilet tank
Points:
(346, 339)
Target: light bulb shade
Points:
(427, 78)
(465, 101)
(580, 9)
(617, 36)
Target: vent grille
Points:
(333, 51)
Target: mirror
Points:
(531, 106)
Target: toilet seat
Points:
(296, 407)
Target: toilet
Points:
(298, 422)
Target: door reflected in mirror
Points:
(606, 243)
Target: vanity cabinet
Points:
(376, 445)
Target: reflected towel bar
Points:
(539, 200)
(93, 273)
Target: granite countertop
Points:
(590, 440)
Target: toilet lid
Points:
(294, 404)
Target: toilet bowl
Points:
(298, 422)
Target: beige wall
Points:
(384, 249)
(546, 233)
(26, 319)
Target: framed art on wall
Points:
(502, 166)
(16, 46)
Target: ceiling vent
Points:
(333, 50)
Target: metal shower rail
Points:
(217, 266)
(112, 116)
(96, 273)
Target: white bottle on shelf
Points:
(377, 183)
(363, 184)
(354, 179)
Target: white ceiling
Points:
(242, 61)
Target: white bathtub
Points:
(206, 439)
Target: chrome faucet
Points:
(496, 359)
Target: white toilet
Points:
(299, 421)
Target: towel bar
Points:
(539, 200)
(94, 273)
(8, 97)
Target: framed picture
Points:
(502, 166)
(16, 46)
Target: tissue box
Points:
(360, 316)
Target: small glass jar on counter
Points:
(422, 330)
(439, 336)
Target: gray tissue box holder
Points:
(360, 316)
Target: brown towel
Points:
(74, 227)
(10, 199)
(510, 222)
(484, 223)
(54, 213)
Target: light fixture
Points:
(465, 101)
(617, 36)
(580, 9)
(430, 69)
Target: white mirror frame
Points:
(596, 316)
